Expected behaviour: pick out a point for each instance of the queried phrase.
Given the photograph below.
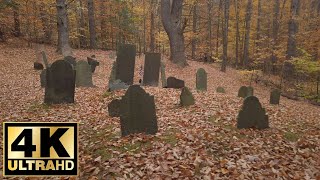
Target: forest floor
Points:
(197, 142)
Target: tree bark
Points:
(225, 35)
(92, 25)
(247, 34)
(218, 28)
(258, 26)
(152, 38)
(82, 33)
(45, 19)
(174, 26)
(209, 5)
(293, 29)
(194, 30)
(16, 20)
(63, 29)
(236, 5)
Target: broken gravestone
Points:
(114, 108)
(163, 75)
(60, 83)
(275, 96)
(43, 78)
(93, 63)
(37, 66)
(173, 82)
(115, 84)
(220, 90)
(126, 55)
(151, 69)
(83, 74)
(138, 112)
(252, 115)
(186, 97)
(71, 60)
(243, 91)
(201, 80)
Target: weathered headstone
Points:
(93, 63)
(173, 82)
(220, 90)
(60, 85)
(252, 115)
(243, 92)
(126, 55)
(137, 112)
(249, 91)
(115, 84)
(151, 69)
(37, 66)
(114, 108)
(71, 60)
(275, 96)
(83, 74)
(201, 80)
(186, 97)
(163, 75)
(43, 78)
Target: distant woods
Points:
(240, 33)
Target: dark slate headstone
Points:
(201, 80)
(43, 77)
(93, 63)
(220, 90)
(252, 115)
(138, 112)
(243, 92)
(151, 69)
(163, 75)
(71, 60)
(37, 66)
(250, 91)
(114, 108)
(275, 96)
(186, 97)
(173, 82)
(60, 86)
(83, 74)
(115, 84)
(126, 55)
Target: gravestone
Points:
(201, 80)
(275, 96)
(220, 90)
(186, 97)
(126, 55)
(43, 78)
(37, 66)
(163, 75)
(45, 59)
(252, 115)
(243, 92)
(151, 69)
(173, 82)
(137, 112)
(114, 108)
(71, 60)
(60, 85)
(83, 74)
(93, 63)
(249, 91)
(115, 84)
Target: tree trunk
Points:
(82, 33)
(173, 24)
(209, 37)
(152, 38)
(218, 29)
(47, 28)
(293, 29)
(63, 29)
(194, 30)
(258, 26)
(247, 34)
(225, 35)
(16, 20)
(103, 24)
(236, 5)
(275, 29)
(92, 25)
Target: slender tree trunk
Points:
(92, 25)
(236, 5)
(16, 20)
(152, 38)
(218, 28)
(293, 29)
(103, 24)
(275, 29)
(258, 27)
(225, 35)
(45, 19)
(82, 33)
(247, 34)
(194, 30)
(63, 28)
(173, 24)
(209, 39)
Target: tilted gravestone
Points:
(60, 85)
(71, 60)
(163, 75)
(173, 82)
(243, 91)
(201, 80)
(252, 115)
(249, 91)
(138, 112)
(43, 78)
(126, 55)
(275, 96)
(151, 69)
(114, 108)
(37, 66)
(93, 63)
(115, 84)
(83, 74)
(186, 97)
(220, 90)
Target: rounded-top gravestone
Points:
(275, 96)
(83, 74)
(220, 90)
(201, 80)
(186, 97)
(243, 91)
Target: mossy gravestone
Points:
(151, 69)
(83, 74)
(114, 108)
(186, 97)
(201, 80)
(115, 84)
(243, 91)
(252, 115)
(173, 82)
(126, 55)
(138, 112)
(220, 90)
(275, 96)
(60, 85)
